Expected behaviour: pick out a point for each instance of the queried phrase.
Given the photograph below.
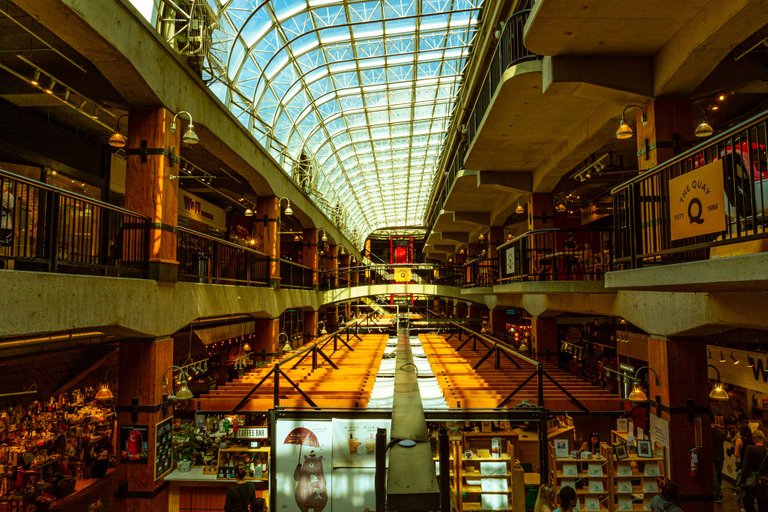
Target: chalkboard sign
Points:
(163, 447)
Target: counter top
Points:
(195, 475)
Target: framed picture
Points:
(163, 447)
(620, 450)
(644, 448)
(134, 441)
(561, 448)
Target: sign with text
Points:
(199, 209)
(697, 204)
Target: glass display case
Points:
(255, 460)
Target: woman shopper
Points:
(241, 497)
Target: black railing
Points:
(45, 228)
(556, 255)
(481, 272)
(510, 51)
(206, 259)
(642, 218)
(293, 275)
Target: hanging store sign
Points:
(697, 205)
(196, 208)
(403, 275)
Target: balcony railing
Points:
(510, 51)
(44, 228)
(556, 255)
(421, 273)
(206, 259)
(293, 275)
(642, 218)
(481, 272)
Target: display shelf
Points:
(590, 478)
(256, 461)
(489, 477)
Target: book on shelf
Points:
(566, 482)
(595, 469)
(652, 469)
(596, 486)
(493, 485)
(624, 469)
(592, 503)
(625, 503)
(625, 486)
(493, 468)
(650, 486)
(570, 469)
(494, 502)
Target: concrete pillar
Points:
(545, 343)
(668, 132)
(683, 390)
(267, 224)
(152, 151)
(139, 402)
(309, 254)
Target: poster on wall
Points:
(133, 444)
(303, 457)
(659, 432)
(697, 202)
(354, 442)
(163, 447)
(511, 261)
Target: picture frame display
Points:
(644, 448)
(620, 450)
(561, 448)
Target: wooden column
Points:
(149, 189)
(541, 212)
(310, 324)
(497, 321)
(310, 256)
(139, 402)
(267, 222)
(265, 334)
(333, 264)
(668, 132)
(683, 390)
(545, 345)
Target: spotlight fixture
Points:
(735, 359)
(519, 209)
(49, 88)
(35, 78)
(189, 137)
(704, 130)
(722, 357)
(750, 362)
(118, 140)
(625, 131)
(288, 210)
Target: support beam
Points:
(619, 79)
(479, 218)
(515, 180)
(456, 236)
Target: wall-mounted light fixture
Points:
(189, 137)
(704, 129)
(560, 208)
(288, 210)
(637, 394)
(284, 342)
(324, 238)
(183, 393)
(104, 394)
(481, 238)
(321, 328)
(718, 389)
(519, 209)
(118, 140)
(625, 131)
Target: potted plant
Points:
(188, 444)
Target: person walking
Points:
(718, 456)
(754, 460)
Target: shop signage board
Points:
(252, 433)
(197, 208)
(697, 202)
(403, 275)
(163, 447)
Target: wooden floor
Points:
(347, 387)
(487, 387)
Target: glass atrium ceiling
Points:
(352, 97)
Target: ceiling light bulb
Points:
(721, 97)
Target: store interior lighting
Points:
(718, 389)
(722, 357)
(183, 393)
(519, 209)
(104, 394)
(704, 129)
(324, 238)
(591, 170)
(735, 359)
(638, 394)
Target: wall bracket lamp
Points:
(625, 131)
(118, 140)
(637, 394)
(718, 389)
(288, 210)
(324, 238)
(184, 393)
(189, 137)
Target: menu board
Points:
(163, 447)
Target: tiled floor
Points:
(729, 503)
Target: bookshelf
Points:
(489, 476)
(590, 478)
